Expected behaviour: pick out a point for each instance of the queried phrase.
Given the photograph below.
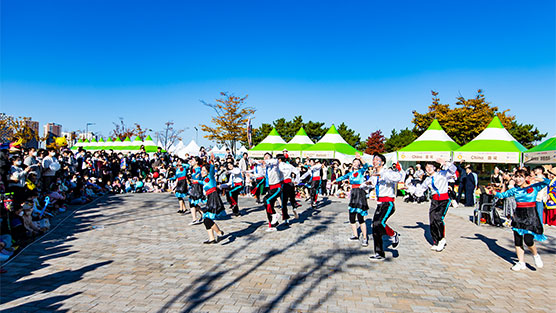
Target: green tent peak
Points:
(80, 140)
(137, 139)
(117, 139)
(435, 125)
(148, 138)
(274, 132)
(301, 132)
(332, 130)
(127, 139)
(101, 140)
(94, 140)
(109, 139)
(495, 123)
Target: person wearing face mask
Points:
(526, 222)
(31, 160)
(50, 165)
(17, 175)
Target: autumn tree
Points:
(375, 143)
(16, 128)
(122, 131)
(230, 122)
(169, 135)
(468, 118)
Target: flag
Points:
(249, 133)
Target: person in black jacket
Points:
(470, 185)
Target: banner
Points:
(249, 133)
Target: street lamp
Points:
(87, 129)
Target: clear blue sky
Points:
(367, 63)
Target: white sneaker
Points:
(538, 261)
(434, 247)
(271, 229)
(275, 219)
(441, 245)
(519, 266)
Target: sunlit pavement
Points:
(141, 256)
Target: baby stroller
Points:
(486, 209)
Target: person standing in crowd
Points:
(550, 205)
(358, 206)
(538, 173)
(526, 222)
(244, 167)
(437, 183)
(460, 181)
(496, 178)
(324, 182)
(384, 181)
(50, 165)
(470, 185)
(259, 181)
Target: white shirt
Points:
(287, 170)
(385, 184)
(272, 172)
(441, 179)
(314, 171)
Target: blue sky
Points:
(368, 64)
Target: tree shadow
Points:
(12, 289)
(200, 289)
(51, 304)
(244, 232)
(427, 231)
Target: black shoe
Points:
(209, 242)
(219, 237)
(396, 241)
(237, 214)
(353, 238)
(377, 257)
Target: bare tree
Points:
(169, 135)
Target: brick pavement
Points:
(147, 259)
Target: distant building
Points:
(34, 126)
(51, 131)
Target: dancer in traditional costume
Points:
(181, 184)
(196, 190)
(215, 207)
(315, 172)
(384, 181)
(234, 187)
(259, 182)
(526, 222)
(274, 180)
(288, 187)
(358, 206)
(437, 182)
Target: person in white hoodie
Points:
(315, 172)
(384, 181)
(274, 178)
(288, 187)
(437, 182)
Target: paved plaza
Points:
(135, 253)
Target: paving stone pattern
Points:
(145, 258)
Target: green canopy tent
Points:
(493, 145)
(150, 146)
(271, 143)
(299, 143)
(544, 153)
(331, 146)
(78, 144)
(432, 144)
(101, 144)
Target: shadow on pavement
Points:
(426, 229)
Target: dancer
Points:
(288, 187)
(259, 182)
(181, 184)
(437, 182)
(274, 183)
(215, 207)
(384, 181)
(358, 206)
(195, 191)
(526, 222)
(314, 171)
(235, 185)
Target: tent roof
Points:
(433, 139)
(332, 141)
(272, 142)
(299, 142)
(494, 138)
(547, 145)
